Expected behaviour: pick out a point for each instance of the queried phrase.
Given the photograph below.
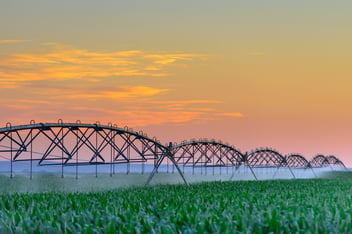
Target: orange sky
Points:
(252, 73)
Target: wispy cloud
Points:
(179, 103)
(131, 107)
(33, 101)
(144, 117)
(124, 92)
(141, 117)
(59, 62)
(12, 41)
(59, 81)
(231, 114)
(164, 59)
(192, 101)
(8, 84)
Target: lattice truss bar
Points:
(265, 158)
(92, 144)
(319, 161)
(206, 154)
(65, 143)
(332, 160)
(297, 161)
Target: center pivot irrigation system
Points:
(79, 144)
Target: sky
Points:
(252, 73)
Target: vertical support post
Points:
(111, 152)
(62, 167)
(77, 138)
(314, 172)
(173, 168)
(220, 163)
(201, 166)
(113, 168)
(233, 171)
(11, 154)
(31, 162)
(31, 153)
(213, 167)
(156, 157)
(128, 157)
(183, 164)
(62, 153)
(304, 172)
(143, 153)
(167, 165)
(96, 153)
(277, 169)
(255, 177)
(193, 160)
(293, 175)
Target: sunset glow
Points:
(253, 73)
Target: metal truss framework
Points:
(266, 158)
(319, 161)
(205, 153)
(297, 161)
(332, 160)
(65, 143)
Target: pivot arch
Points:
(319, 161)
(266, 158)
(206, 153)
(334, 160)
(94, 138)
(78, 144)
(297, 161)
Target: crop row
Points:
(285, 206)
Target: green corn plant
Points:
(280, 206)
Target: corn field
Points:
(280, 206)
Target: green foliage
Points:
(281, 206)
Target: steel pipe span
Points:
(297, 161)
(78, 144)
(206, 153)
(319, 161)
(265, 158)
